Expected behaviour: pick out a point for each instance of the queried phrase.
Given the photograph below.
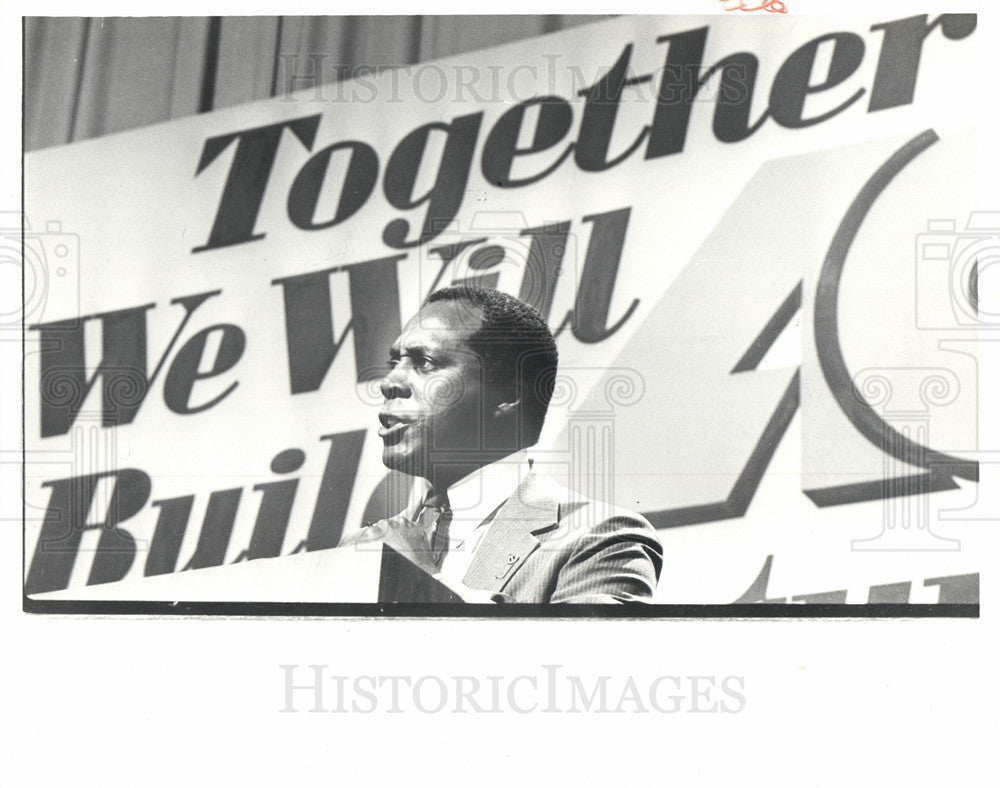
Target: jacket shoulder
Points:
(586, 511)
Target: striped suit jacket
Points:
(547, 544)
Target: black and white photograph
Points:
(648, 345)
(542, 319)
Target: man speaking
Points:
(469, 383)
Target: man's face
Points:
(433, 390)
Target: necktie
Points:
(435, 517)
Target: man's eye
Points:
(392, 362)
(425, 363)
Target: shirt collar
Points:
(475, 496)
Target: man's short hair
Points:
(518, 350)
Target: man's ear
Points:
(505, 409)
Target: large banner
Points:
(757, 240)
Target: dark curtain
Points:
(88, 77)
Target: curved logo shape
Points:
(831, 358)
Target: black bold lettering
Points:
(555, 116)
(63, 381)
(362, 173)
(248, 177)
(791, 84)
(600, 269)
(599, 115)
(679, 87)
(65, 521)
(375, 320)
(445, 197)
(899, 58)
(183, 372)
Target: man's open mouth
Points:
(392, 427)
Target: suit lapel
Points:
(532, 508)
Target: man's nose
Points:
(394, 385)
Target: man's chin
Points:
(402, 461)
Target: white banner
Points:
(757, 240)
